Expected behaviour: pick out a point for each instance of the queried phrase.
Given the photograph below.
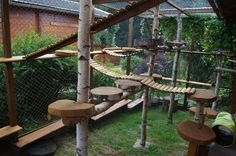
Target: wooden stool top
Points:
(71, 109)
(106, 91)
(208, 112)
(203, 96)
(128, 83)
(192, 132)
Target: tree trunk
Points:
(218, 80)
(175, 69)
(130, 41)
(147, 90)
(83, 72)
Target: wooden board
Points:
(210, 113)
(38, 134)
(9, 130)
(106, 91)
(135, 103)
(203, 96)
(192, 132)
(69, 108)
(111, 109)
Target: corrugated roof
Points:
(56, 5)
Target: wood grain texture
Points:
(208, 112)
(9, 130)
(38, 134)
(192, 132)
(70, 109)
(106, 91)
(203, 96)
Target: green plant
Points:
(135, 60)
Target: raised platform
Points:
(9, 130)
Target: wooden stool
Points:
(207, 112)
(196, 135)
(128, 85)
(101, 94)
(201, 96)
(71, 111)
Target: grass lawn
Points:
(116, 135)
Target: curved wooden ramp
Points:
(147, 81)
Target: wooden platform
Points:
(38, 134)
(208, 112)
(111, 109)
(9, 130)
(135, 103)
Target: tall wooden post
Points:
(130, 40)
(234, 95)
(147, 90)
(11, 100)
(218, 79)
(189, 69)
(83, 73)
(175, 68)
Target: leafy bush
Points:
(38, 82)
(135, 60)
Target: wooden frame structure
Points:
(130, 11)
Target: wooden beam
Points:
(111, 1)
(176, 7)
(121, 15)
(11, 101)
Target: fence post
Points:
(11, 99)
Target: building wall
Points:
(22, 20)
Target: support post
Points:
(218, 79)
(11, 100)
(147, 90)
(130, 40)
(175, 68)
(83, 73)
(234, 95)
(189, 69)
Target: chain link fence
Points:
(35, 24)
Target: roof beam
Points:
(188, 10)
(176, 7)
(110, 1)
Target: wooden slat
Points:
(135, 103)
(111, 109)
(9, 130)
(36, 135)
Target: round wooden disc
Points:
(106, 91)
(128, 83)
(210, 113)
(192, 132)
(203, 96)
(69, 108)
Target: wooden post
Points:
(130, 41)
(83, 72)
(147, 90)
(218, 79)
(234, 95)
(189, 69)
(9, 67)
(175, 68)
